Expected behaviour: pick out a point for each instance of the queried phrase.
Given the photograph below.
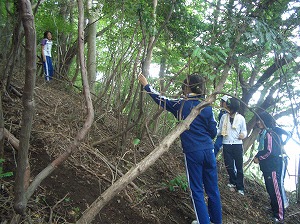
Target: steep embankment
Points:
(69, 190)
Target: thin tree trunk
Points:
(1, 128)
(161, 76)
(23, 169)
(87, 125)
(16, 42)
(298, 187)
(91, 42)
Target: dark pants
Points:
(273, 185)
(233, 159)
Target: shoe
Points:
(231, 185)
(194, 222)
(241, 192)
(277, 221)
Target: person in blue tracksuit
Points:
(46, 44)
(198, 147)
(270, 162)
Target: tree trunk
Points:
(1, 128)
(161, 76)
(16, 42)
(298, 182)
(91, 43)
(23, 169)
(148, 58)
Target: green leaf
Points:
(8, 174)
(136, 141)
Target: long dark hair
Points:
(196, 83)
(46, 33)
(267, 119)
(233, 104)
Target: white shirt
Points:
(47, 47)
(233, 132)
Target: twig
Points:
(52, 209)
(41, 99)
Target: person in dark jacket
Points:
(270, 162)
(224, 109)
(197, 145)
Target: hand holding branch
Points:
(143, 80)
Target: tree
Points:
(242, 48)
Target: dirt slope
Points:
(70, 189)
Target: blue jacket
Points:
(202, 130)
(269, 157)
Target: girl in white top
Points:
(233, 129)
(46, 55)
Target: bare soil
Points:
(71, 188)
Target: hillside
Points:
(70, 189)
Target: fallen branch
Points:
(11, 139)
(141, 167)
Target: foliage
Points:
(2, 174)
(136, 141)
(251, 42)
(179, 181)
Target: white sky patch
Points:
(293, 151)
(154, 70)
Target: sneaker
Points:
(277, 221)
(231, 185)
(241, 192)
(194, 222)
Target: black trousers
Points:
(273, 185)
(233, 159)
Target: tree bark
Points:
(23, 169)
(298, 188)
(2, 129)
(91, 43)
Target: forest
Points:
(89, 146)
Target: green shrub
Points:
(179, 181)
(2, 174)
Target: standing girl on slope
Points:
(233, 129)
(198, 147)
(46, 55)
(270, 163)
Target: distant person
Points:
(269, 159)
(46, 55)
(233, 129)
(218, 143)
(197, 144)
